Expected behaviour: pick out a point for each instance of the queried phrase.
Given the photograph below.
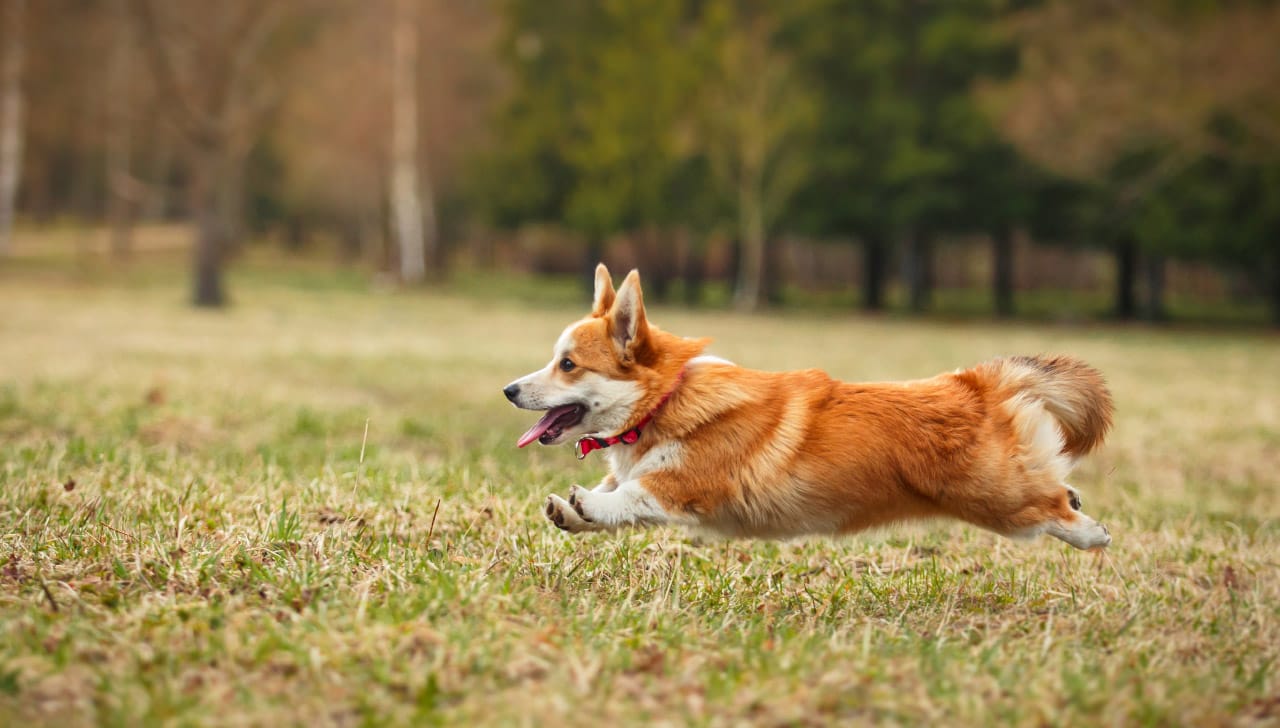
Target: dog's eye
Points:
(567, 365)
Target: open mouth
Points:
(553, 424)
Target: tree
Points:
(1222, 210)
(625, 145)
(526, 176)
(998, 193)
(1124, 98)
(11, 115)
(901, 141)
(593, 134)
(412, 205)
(122, 190)
(209, 61)
(754, 114)
(335, 171)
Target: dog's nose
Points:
(512, 391)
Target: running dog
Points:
(697, 441)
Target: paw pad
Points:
(576, 502)
(554, 515)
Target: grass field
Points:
(309, 509)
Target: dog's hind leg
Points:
(1078, 529)
(1083, 532)
(628, 504)
(1054, 510)
(1059, 516)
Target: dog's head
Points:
(602, 370)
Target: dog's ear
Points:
(604, 292)
(627, 324)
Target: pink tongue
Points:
(544, 424)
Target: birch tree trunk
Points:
(11, 123)
(752, 227)
(406, 203)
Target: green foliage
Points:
(633, 92)
(755, 115)
(265, 199)
(903, 143)
(1218, 209)
(591, 134)
(865, 120)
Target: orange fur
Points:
(764, 454)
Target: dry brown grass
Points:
(190, 536)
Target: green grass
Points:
(195, 529)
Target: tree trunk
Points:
(735, 260)
(659, 261)
(230, 200)
(1126, 278)
(155, 204)
(349, 240)
(751, 263)
(406, 203)
(120, 188)
(209, 185)
(874, 257)
(1002, 271)
(433, 251)
(918, 269)
(38, 194)
(773, 276)
(379, 249)
(216, 108)
(695, 269)
(11, 117)
(1273, 287)
(297, 234)
(83, 192)
(592, 255)
(1153, 269)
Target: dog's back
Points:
(779, 454)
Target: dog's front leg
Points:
(608, 485)
(628, 504)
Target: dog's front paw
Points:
(566, 516)
(577, 496)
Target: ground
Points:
(309, 509)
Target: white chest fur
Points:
(627, 466)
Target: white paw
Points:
(578, 499)
(1097, 536)
(565, 514)
(1083, 533)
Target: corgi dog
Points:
(696, 441)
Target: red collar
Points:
(587, 444)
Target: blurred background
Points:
(1057, 160)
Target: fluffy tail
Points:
(1072, 391)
